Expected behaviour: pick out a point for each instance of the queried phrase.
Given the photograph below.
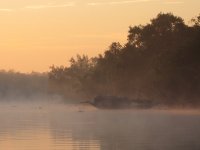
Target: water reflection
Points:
(64, 128)
(33, 129)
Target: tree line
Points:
(21, 86)
(160, 62)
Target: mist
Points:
(158, 65)
(16, 87)
(34, 116)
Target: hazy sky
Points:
(34, 34)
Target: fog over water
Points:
(140, 95)
(56, 125)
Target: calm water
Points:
(38, 127)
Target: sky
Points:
(35, 34)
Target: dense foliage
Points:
(160, 62)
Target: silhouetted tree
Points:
(160, 61)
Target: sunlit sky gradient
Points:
(34, 34)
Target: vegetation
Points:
(159, 62)
(14, 85)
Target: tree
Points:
(160, 61)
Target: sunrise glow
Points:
(38, 33)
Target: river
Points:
(72, 127)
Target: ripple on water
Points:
(43, 129)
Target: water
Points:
(56, 127)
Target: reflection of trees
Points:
(127, 130)
(159, 62)
(109, 130)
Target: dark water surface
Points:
(56, 127)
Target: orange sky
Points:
(38, 33)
